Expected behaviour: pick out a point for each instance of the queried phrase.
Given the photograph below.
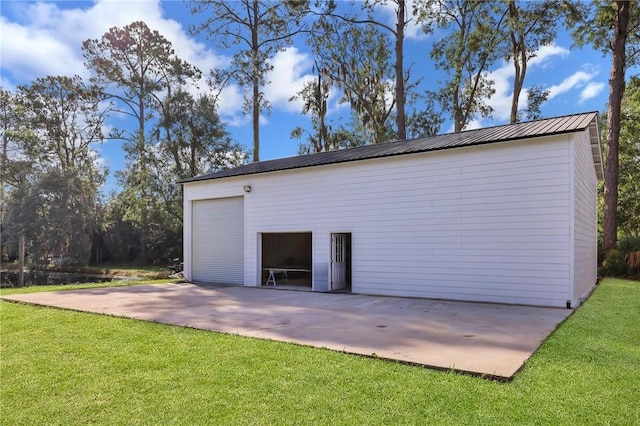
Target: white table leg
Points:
(271, 279)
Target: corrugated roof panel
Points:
(540, 127)
(507, 132)
(518, 131)
(566, 124)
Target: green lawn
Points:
(62, 367)
(139, 272)
(76, 286)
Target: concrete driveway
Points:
(487, 339)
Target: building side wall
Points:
(585, 216)
(488, 223)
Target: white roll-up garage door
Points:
(218, 241)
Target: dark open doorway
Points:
(286, 259)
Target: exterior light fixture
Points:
(247, 188)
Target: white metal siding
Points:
(585, 249)
(217, 253)
(487, 223)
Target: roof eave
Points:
(596, 147)
(592, 126)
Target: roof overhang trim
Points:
(506, 133)
(596, 147)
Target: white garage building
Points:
(504, 214)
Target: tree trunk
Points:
(519, 54)
(616, 92)
(520, 68)
(3, 165)
(256, 121)
(256, 87)
(144, 180)
(21, 250)
(401, 121)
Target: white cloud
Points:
(575, 80)
(230, 106)
(48, 39)
(287, 78)
(31, 52)
(592, 90)
(542, 56)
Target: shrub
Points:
(624, 260)
(633, 261)
(614, 264)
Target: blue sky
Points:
(44, 38)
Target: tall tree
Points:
(315, 95)
(259, 29)
(400, 25)
(530, 26)
(195, 140)
(355, 59)
(629, 178)
(137, 65)
(55, 195)
(475, 31)
(613, 28)
(11, 122)
(65, 113)
(323, 137)
(6, 114)
(397, 32)
(14, 165)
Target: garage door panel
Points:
(218, 240)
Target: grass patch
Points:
(63, 367)
(80, 286)
(140, 272)
(146, 272)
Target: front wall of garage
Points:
(487, 223)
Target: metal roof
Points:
(505, 133)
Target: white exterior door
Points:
(338, 261)
(218, 241)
